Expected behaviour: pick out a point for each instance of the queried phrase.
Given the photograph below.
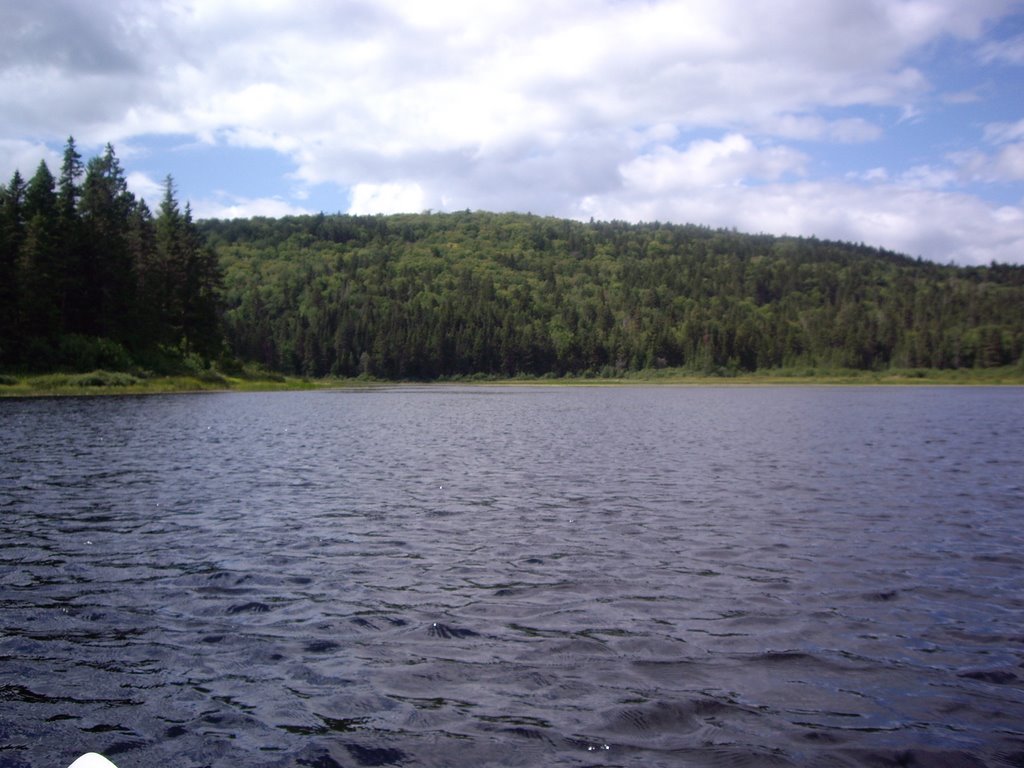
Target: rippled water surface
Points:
(517, 577)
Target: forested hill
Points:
(431, 295)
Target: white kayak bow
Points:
(92, 760)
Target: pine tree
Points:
(202, 291)
(167, 275)
(189, 277)
(110, 281)
(39, 304)
(68, 273)
(70, 172)
(12, 235)
(148, 291)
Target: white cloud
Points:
(387, 198)
(526, 105)
(875, 174)
(24, 157)
(147, 188)
(729, 162)
(1010, 51)
(934, 224)
(814, 128)
(928, 177)
(229, 207)
(1004, 165)
(395, 77)
(1008, 165)
(962, 97)
(999, 133)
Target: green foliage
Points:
(86, 353)
(456, 295)
(89, 279)
(103, 379)
(98, 378)
(257, 372)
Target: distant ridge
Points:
(455, 294)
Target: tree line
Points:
(89, 277)
(439, 295)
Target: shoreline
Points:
(100, 383)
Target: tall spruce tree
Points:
(68, 276)
(187, 274)
(39, 305)
(108, 271)
(12, 234)
(149, 289)
(166, 276)
(201, 296)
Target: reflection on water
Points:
(553, 576)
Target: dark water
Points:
(515, 577)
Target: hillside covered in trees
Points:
(435, 295)
(90, 278)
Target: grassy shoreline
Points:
(117, 383)
(102, 382)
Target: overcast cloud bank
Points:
(896, 123)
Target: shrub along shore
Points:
(103, 382)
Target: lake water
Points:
(515, 577)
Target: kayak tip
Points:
(92, 760)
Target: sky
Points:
(896, 123)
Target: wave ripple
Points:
(519, 577)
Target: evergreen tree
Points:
(166, 278)
(149, 291)
(202, 293)
(188, 276)
(70, 173)
(108, 272)
(39, 305)
(83, 263)
(69, 283)
(12, 235)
